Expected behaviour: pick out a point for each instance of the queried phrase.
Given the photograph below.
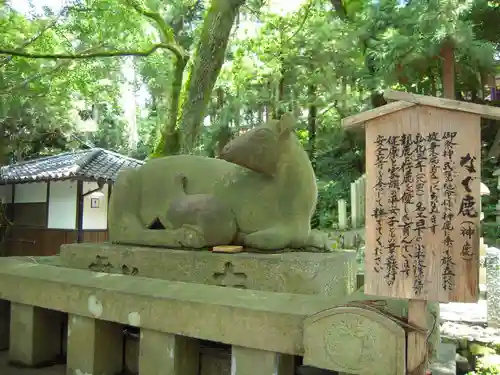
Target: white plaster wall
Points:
(95, 218)
(34, 192)
(6, 193)
(62, 205)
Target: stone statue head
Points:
(260, 149)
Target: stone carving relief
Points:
(230, 278)
(348, 339)
(102, 264)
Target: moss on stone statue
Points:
(271, 212)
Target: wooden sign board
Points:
(423, 166)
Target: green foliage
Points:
(329, 59)
(487, 365)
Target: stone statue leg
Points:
(318, 240)
(274, 238)
(123, 218)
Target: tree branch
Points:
(33, 39)
(166, 31)
(28, 80)
(78, 56)
(306, 14)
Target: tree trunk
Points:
(206, 66)
(311, 124)
(223, 133)
(448, 70)
(170, 139)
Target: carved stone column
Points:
(35, 335)
(94, 346)
(246, 361)
(163, 353)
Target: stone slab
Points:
(245, 361)
(445, 364)
(167, 354)
(94, 346)
(267, 321)
(329, 274)
(257, 319)
(35, 335)
(347, 339)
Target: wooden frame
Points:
(94, 202)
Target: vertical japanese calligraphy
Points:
(407, 201)
(378, 212)
(391, 265)
(468, 209)
(449, 188)
(423, 212)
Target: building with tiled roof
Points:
(59, 199)
(91, 164)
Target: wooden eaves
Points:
(403, 100)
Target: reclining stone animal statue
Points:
(260, 193)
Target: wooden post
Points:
(417, 341)
(362, 199)
(448, 69)
(354, 206)
(423, 173)
(342, 212)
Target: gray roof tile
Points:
(92, 163)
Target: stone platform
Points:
(328, 274)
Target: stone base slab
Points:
(328, 274)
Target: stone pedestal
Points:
(35, 335)
(94, 346)
(166, 354)
(4, 324)
(328, 274)
(246, 361)
(493, 286)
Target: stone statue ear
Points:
(286, 124)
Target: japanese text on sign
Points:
(423, 202)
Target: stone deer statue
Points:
(260, 193)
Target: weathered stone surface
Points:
(35, 335)
(493, 286)
(462, 364)
(167, 354)
(331, 274)
(259, 319)
(270, 322)
(445, 362)
(94, 346)
(271, 212)
(462, 333)
(347, 339)
(246, 361)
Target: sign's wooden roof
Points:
(403, 100)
